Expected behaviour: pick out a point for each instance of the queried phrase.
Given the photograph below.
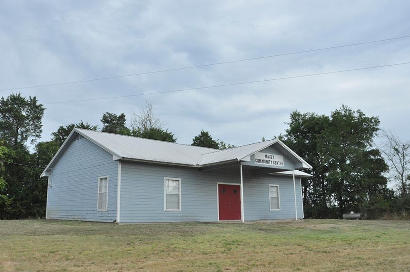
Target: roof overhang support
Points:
(242, 206)
(297, 173)
(294, 193)
(118, 192)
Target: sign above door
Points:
(269, 159)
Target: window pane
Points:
(172, 202)
(100, 201)
(102, 194)
(273, 191)
(172, 186)
(104, 201)
(103, 184)
(274, 203)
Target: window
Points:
(102, 202)
(172, 194)
(274, 197)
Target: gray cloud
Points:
(46, 42)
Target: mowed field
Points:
(308, 245)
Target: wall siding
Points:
(142, 194)
(74, 178)
(256, 197)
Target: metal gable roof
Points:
(134, 148)
(236, 153)
(140, 149)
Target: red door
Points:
(229, 197)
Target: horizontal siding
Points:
(142, 193)
(256, 198)
(74, 179)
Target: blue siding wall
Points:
(256, 197)
(142, 193)
(74, 179)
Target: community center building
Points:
(97, 176)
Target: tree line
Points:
(23, 194)
(349, 171)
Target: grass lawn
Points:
(309, 245)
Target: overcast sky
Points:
(44, 42)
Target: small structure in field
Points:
(352, 215)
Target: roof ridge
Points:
(146, 139)
(230, 148)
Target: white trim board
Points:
(270, 204)
(98, 193)
(179, 193)
(119, 192)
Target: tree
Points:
(20, 119)
(397, 154)
(348, 138)
(37, 196)
(44, 152)
(18, 176)
(156, 134)
(347, 169)
(4, 197)
(114, 123)
(145, 120)
(304, 136)
(61, 134)
(408, 183)
(145, 125)
(204, 139)
(222, 145)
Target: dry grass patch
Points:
(309, 245)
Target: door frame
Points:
(217, 196)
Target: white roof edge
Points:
(304, 163)
(98, 144)
(276, 140)
(298, 173)
(158, 162)
(44, 173)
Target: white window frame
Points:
(165, 194)
(98, 193)
(270, 198)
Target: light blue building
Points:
(98, 176)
